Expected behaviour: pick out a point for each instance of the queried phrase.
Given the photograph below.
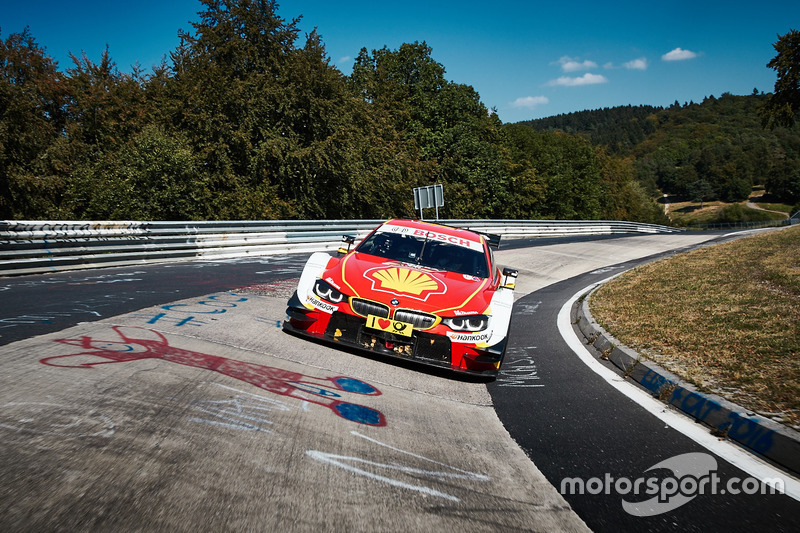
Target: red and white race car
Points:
(414, 290)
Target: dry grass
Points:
(724, 317)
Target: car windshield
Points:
(427, 252)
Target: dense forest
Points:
(715, 150)
(247, 120)
(620, 129)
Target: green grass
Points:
(688, 213)
(725, 318)
(783, 208)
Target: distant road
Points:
(37, 304)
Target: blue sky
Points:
(526, 59)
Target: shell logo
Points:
(405, 281)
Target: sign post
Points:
(430, 196)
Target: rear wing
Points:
(491, 238)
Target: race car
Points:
(411, 289)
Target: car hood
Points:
(410, 286)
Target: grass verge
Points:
(725, 318)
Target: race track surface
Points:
(168, 397)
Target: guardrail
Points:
(747, 225)
(793, 219)
(29, 247)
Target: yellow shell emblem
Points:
(406, 281)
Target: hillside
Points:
(618, 128)
(713, 150)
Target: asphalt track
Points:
(155, 398)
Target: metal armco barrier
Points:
(29, 247)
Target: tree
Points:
(782, 106)
(106, 107)
(154, 176)
(454, 131)
(562, 170)
(623, 197)
(700, 191)
(227, 98)
(784, 181)
(32, 117)
(277, 128)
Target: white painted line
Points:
(728, 451)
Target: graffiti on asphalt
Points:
(605, 270)
(393, 470)
(519, 369)
(194, 313)
(125, 344)
(81, 307)
(245, 411)
(526, 308)
(270, 321)
(86, 280)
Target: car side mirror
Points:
(510, 280)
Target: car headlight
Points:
(467, 323)
(326, 291)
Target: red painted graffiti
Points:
(134, 344)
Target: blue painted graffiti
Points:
(694, 404)
(178, 321)
(360, 414)
(750, 433)
(186, 314)
(654, 381)
(738, 427)
(354, 385)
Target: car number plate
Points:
(389, 325)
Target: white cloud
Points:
(586, 79)
(530, 101)
(636, 64)
(569, 64)
(679, 54)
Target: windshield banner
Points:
(432, 235)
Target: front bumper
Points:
(422, 347)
